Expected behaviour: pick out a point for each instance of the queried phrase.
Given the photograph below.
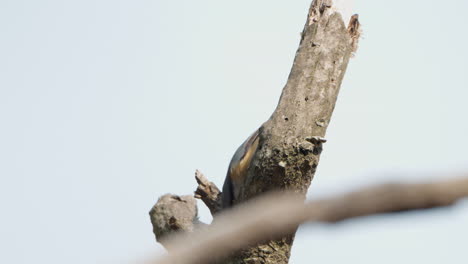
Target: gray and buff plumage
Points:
(238, 168)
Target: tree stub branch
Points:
(208, 192)
(287, 157)
(291, 140)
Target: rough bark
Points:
(174, 214)
(252, 222)
(208, 192)
(292, 139)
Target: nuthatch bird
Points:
(238, 168)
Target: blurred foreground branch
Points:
(277, 214)
(287, 151)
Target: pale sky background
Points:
(106, 105)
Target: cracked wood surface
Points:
(292, 140)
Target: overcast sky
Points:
(106, 105)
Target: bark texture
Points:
(173, 214)
(252, 222)
(208, 192)
(291, 141)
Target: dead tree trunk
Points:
(292, 139)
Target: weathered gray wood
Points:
(251, 222)
(208, 192)
(292, 139)
(173, 214)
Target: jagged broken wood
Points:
(287, 156)
(291, 140)
(208, 192)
